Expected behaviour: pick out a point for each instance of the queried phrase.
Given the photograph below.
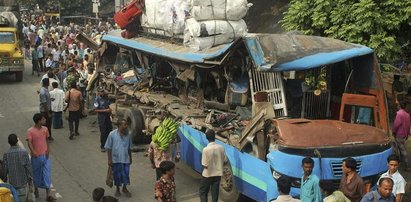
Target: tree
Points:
(384, 25)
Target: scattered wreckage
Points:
(273, 99)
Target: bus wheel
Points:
(135, 124)
(228, 191)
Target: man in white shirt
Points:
(40, 52)
(33, 27)
(57, 105)
(49, 61)
(56, 54)
(399, 182)
(213, 160)
(25, 29)
(284, 187)
(50, 76)
(40, 32)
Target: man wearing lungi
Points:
(40, 162)
(118, 146)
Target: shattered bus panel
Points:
(272, 99)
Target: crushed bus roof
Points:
(303, 133)
(274, 52)
(167, 49)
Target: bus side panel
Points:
(252, 176)
(191, 146)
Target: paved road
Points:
(78, 166)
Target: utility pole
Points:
(117, 5)
(96, 4)
(120, 4)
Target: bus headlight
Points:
(16, 62)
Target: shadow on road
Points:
(8, 79)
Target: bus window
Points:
(359, 115)
(360, 109)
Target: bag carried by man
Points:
(109, 178)
(66, 114)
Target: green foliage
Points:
(384, 25)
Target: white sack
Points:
(12, 19)
(167, 15)
(206, 34)
(219, 9)
(202, 43)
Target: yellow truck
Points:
(11, 54)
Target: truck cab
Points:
(273, 99)
(11, 55)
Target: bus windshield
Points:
(7, 38)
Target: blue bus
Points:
(273, 99)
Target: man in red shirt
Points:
(401, 131)
(40, 162)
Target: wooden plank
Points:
(249, 128)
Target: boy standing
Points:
(401, 131)
(102, 107)
(17, 167)
(213, 159)
(398, 190)
(118, 148)
(57, 105)
(40, 161)
(310, 184)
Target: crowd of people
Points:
(68, 65)
(389, 188)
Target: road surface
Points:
(78, 166)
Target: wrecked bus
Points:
(272, 99)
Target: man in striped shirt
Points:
(17, 167)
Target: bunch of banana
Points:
(165, 133)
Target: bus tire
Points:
(228, 190)
(19, 76)
(135, 123)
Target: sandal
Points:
(127, 193)
(51, 198)
(36, 193)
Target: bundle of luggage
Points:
(215, 22)
(201, 24)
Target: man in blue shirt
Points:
(383, 194)
(102, 107)
(118, 148)
(45, 105)
(310, 188)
